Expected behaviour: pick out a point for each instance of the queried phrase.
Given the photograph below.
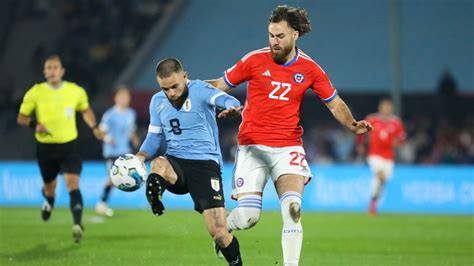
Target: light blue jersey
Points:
(119, 125)
(191, 131)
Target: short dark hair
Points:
(296, 17)
(385, 98)
(121, 88)
(168, 66)
(54, 57)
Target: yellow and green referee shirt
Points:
(56, 109)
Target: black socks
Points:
(76, 205)
(232, 252)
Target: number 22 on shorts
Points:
(297, 159)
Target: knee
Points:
(49, 189)
(72, 181)
(381, 176)
(49, 186)
(158, 165)
(249, 217)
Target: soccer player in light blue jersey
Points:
(184, 112)
(119, 126)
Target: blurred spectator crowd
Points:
(101, 37)
(429, 141)
(443, 135)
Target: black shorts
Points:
(54, 159)
(202, 179)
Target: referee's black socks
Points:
(232, 252)
(76, 205)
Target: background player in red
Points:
(387, 134)
(270, 134)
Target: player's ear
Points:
(185, 75)
(296, 34)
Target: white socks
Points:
(292, 233)
(246, 214)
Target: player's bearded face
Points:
(174, 86)
(281, 41)
(280, 54)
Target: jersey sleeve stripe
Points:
(227, 81)
(330, 98)
(263, 50)
(214, 97)
(154, 129)
(307, 58)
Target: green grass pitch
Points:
(136, 237)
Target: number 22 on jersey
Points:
(280, 90)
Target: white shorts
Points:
(254, 163)
(380, 164)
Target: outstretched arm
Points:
(220, 84)
(227, 102)
(342, 113)
(150, 146)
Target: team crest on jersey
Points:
(161, 107)
(215, 183)
(187, 105)
(239, 182)
(298, 78)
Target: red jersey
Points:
(271, 113)
(382, 138)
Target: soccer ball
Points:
(128, 173)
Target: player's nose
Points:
(274, 41)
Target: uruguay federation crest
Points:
(161, 107)
(298, 78)
(187, 105)
(215, 184)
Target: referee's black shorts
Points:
(54, 159)
(202, 179)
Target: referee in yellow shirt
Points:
(55, 103)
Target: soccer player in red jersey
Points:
(270, 134)
(387, 134)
